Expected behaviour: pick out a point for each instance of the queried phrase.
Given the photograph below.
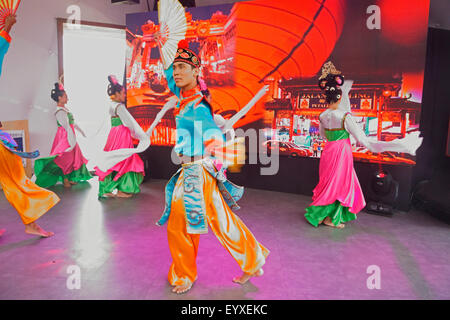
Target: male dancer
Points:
(198, 195)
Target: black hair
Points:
(331, 85)
(57, 92)
(206, 93)
(114, 86)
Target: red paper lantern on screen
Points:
(268, 31)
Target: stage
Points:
(122, 254)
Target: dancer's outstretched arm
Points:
(221, 122)
(171, 82)
(232, 121)
(406, 145)
(5, 38)
(345, 105)
(61, 116)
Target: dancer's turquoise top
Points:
(4, 46)
(196, 129)
(5, 39)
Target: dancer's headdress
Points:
(57, 92)
(114, 85)
(330, 81)
(184, 54)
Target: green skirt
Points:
(128, 183)
(336, 211)
(48, 173)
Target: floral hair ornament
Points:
(202, 83)
(113, 79)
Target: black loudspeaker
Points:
(382, 193)
(448, 139)
(125, 1)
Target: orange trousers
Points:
(30, 201)
(228, 228)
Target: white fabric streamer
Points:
(169, 105)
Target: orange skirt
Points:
(30, 201)
(228, 228)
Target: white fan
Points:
(7, 8)
(173, 26)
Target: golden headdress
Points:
(329, 68)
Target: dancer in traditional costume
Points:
(66, 162)
(338, 196)
(119, 167)
(30, 201)
(199, 195)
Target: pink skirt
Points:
(67, 161)
(120, 137)
(337, 178)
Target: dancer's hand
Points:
(9, 22)
(156, 35)
(69, 149)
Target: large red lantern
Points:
(278, 39)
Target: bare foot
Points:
(2, 231)
(109, 195)
(121, 194)
(182, 288)
(73, 183)
(67, 183)
(246, 276)
(34, 228)
(329, 223)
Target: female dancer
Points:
(198, 196)
(66, 162)
(121, 169)
(338, 196)
(30, 201)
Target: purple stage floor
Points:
(123, 255)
